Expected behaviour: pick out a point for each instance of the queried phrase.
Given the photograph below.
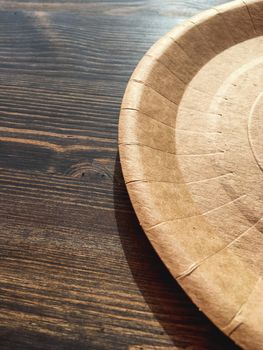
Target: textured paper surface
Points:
(192, 156)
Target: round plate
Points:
(191, 149)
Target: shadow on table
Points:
(178, 316)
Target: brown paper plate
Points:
(191, 147)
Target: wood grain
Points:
(76, 270)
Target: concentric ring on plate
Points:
(191, 148)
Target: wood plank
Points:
(167, 8)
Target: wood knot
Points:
(93, 170)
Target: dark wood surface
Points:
(76, 269)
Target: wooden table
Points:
(76, 269)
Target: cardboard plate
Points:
(191, 148)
